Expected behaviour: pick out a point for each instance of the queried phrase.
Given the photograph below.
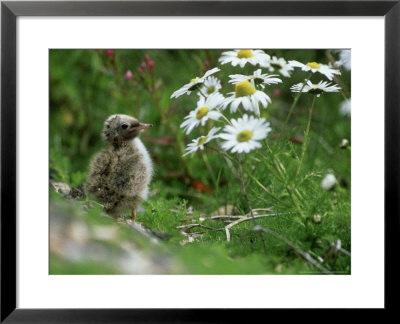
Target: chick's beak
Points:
(143, 126)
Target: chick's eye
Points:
(124, 126)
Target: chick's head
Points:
(121, 128)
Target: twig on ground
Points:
(247, 218)
(235, 216)
(299, 251)
(252, 215)
(190, 226)
(345, 252)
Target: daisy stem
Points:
(202, 93)
(246, 198)
(266, 190)
(343, 89)
(226, 119)
(296, 99)
(208, 165)
(278, 165)
(220, 152)
(306, 137)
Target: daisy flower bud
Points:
(344, 144)
(345, 107)
(317, 219)
(277, 92)
(109, 52)
(328, 182)
(128, 75)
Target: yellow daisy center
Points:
(210, 89)
(244, 136)
(244, 54)
(243, 89)
(202, 112)
(202, 140)
(313, 65)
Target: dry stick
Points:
(247, 199)
(239, 219)
(190, 226)
(248, 218)
(238, 216)
(306, 139)
(344, 251)
(304, 254)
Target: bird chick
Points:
(120, 174)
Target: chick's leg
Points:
(133, 215)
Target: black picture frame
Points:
(10, 10)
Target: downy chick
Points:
(120, 174)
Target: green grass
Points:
(86, 87)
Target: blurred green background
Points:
(86, 86)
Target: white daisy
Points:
(211, 85)
(241, 57)
(345, 107)
(247, 95)
(280, 65)
(316, 67)
(244, 133)
(344, 59)
(256, 79)
(315, 89)
(205, 110)
(199, 142)
(194, 84)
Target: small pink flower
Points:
(206, 63)
(151, 64)
(147, 58)
(109, 52)
(128, 75)
(143, 65)
(139, 70)
(277, 92)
